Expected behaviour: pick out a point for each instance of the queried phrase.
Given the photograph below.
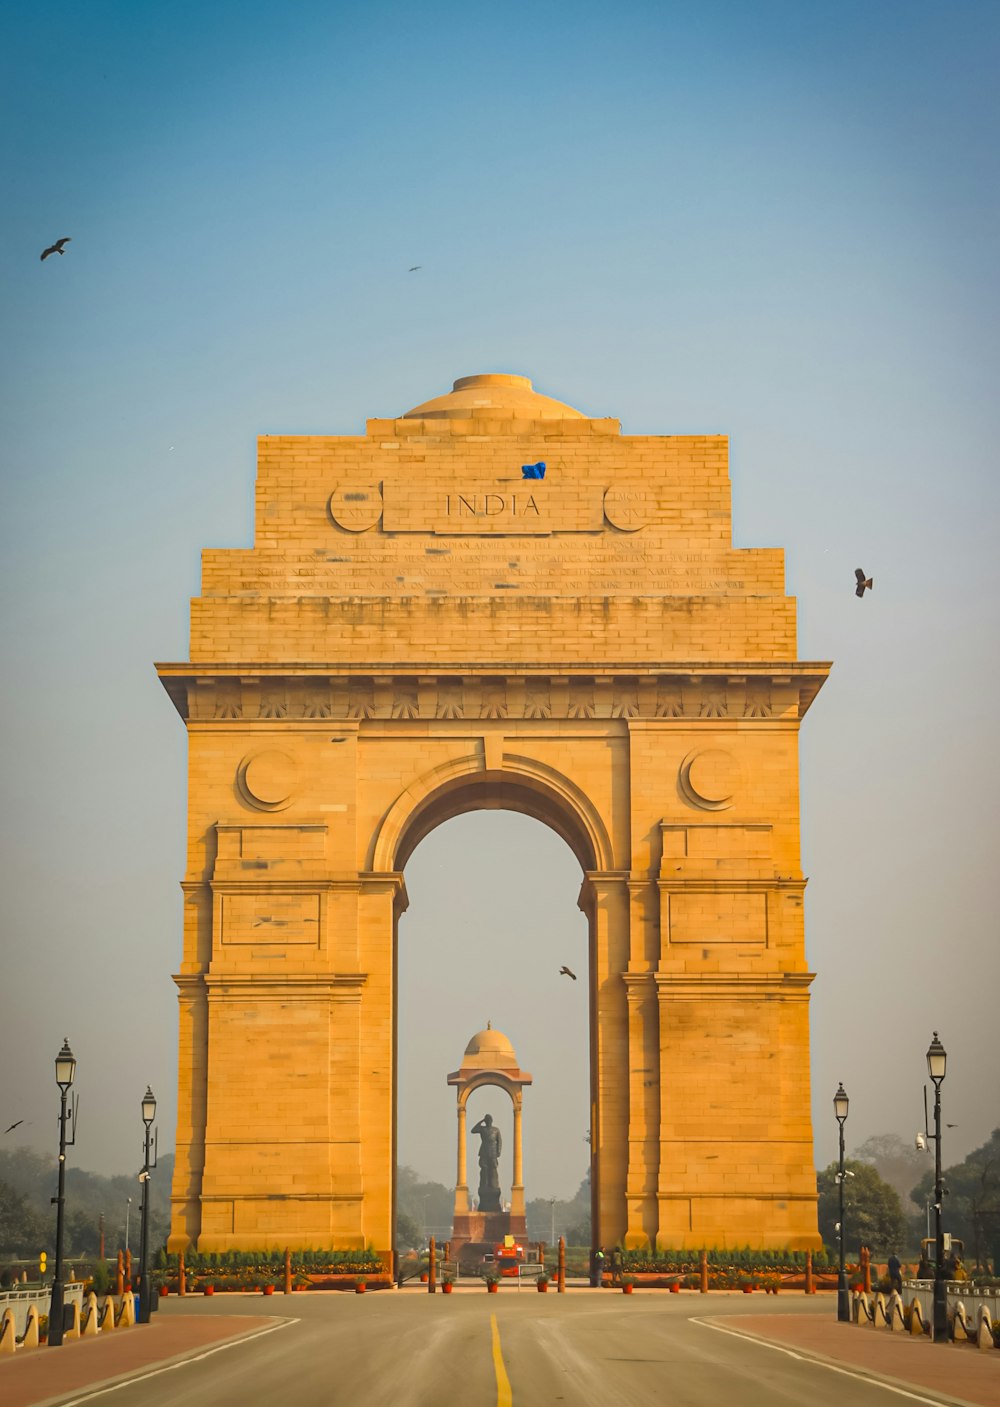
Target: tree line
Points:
(28, 1180)
(889, 1195)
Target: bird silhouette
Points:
(413, 269)
(56, 248)
(565, 972)
(863, 581)
(14, 1126)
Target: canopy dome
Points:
(493, 394)
(489, 1050)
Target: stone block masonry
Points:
(418, 631)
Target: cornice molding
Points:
(781, 986)
(636, 696)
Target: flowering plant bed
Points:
(253, 1271)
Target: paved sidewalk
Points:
(45, 1374)
(955, 1371)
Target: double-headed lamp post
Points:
(840, 1107)
(937, 1063)
(65, 1071)
(145, 1288)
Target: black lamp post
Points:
(937, 1062)
(149, 1162)
(65, 1071)
(840, 1107)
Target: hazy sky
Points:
(774, 220)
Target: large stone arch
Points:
(425, 627)
(523, 784)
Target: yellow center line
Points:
(504, 1396)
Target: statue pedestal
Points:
(475, 1234)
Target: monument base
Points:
(476, 1234)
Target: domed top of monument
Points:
(495, 395)
(489, 1050)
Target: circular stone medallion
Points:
(356, 507)
(709, 779)
(266, 780)
(627, 507)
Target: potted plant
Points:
(359, 1285)
(628, 1283)
(209, 1287)
(267, 1288)
(164, 1291)
(446, 1284)
(543, 1284)
(492, 1282)
(675, 1287)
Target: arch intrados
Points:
(555, 802)
(488, 1081)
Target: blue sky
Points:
(777, 221)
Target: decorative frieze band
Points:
(486, 697)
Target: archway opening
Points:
(492, 917)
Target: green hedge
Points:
(735, 1259)
(248, 1265)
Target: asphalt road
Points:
(513, 1350)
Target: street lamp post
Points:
(937, 1062)
(65, 1071)
(840, 1107)
(149, 1162)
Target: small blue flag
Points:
(533, 471)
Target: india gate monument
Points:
(493, 600)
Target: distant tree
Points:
(579, 1234)
(88, 1196)
(83, 1233)
(971, 1208)
(897, 1162)
(430, 1205)
(29, 1173)
(873, 1214)
(566, 1214)
(408, 1232)
(22, 1230)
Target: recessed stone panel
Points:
(710, 918)
(270, 918)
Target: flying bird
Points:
(14, 1126)
(565, 972)
(56, 248)
(414, 268)
(863, 581)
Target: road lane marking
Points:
(181, 1363)
(504, 1396)
(825, 1363)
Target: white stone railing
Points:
(40, 1296)
(973, 1313)
(958, 1291)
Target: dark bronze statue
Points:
(490, 1146)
